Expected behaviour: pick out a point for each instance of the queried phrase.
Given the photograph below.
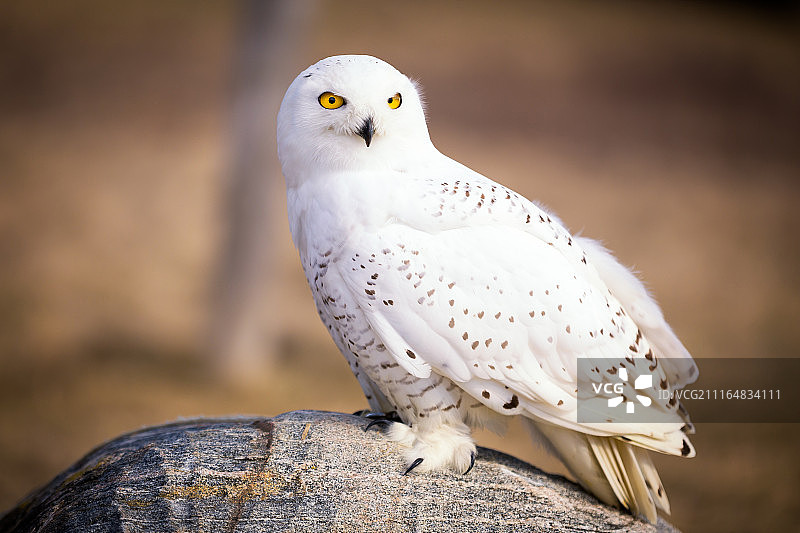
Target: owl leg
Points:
(434, 446)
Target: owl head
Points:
(349, 113)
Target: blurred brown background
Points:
(146, 275)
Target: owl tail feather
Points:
(617, 473)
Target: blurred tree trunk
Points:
(266, 55)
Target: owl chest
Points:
(347, 324)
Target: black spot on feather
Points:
(512, 403)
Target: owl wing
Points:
(634, 297)
(494, 294)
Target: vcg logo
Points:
(644, 381)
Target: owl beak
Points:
(366, 130)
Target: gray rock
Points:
(300, 471)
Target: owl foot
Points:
(435, 447)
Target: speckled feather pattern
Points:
(500, 305)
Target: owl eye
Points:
(395, 101)
(329, 100)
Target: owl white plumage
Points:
(457, 301)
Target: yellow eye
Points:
(329, 100)
(395, 101)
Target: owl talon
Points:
(391, 416)
(471, 463)
(376, 422)
(412, 466)
(381, 418)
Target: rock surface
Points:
(300, 471)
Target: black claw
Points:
(380, 418)
(392, 416)
(366, 413)
(377, 421)
(471, 462)
(412, 466)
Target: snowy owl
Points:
(458, 302)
